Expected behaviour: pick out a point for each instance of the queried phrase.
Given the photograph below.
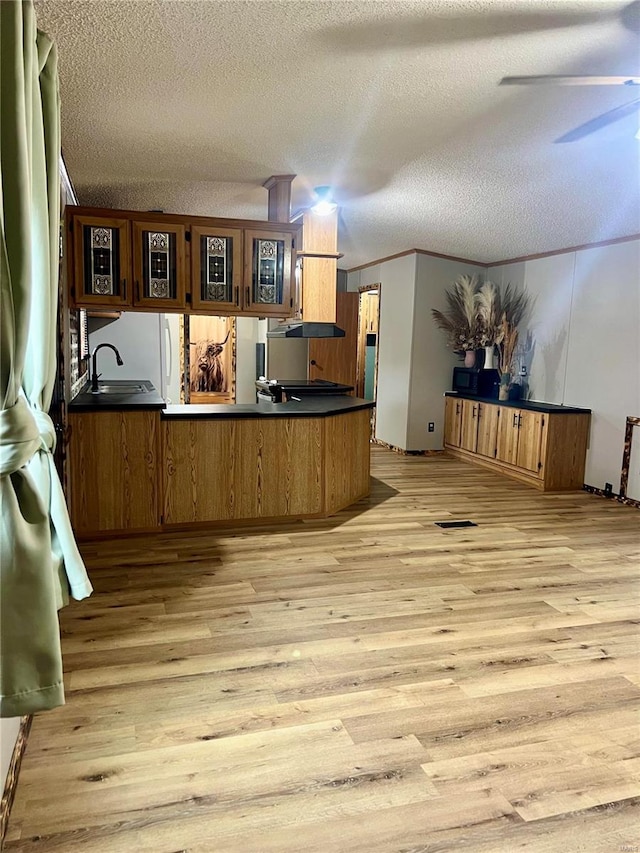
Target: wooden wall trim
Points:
(596, 245)
(485, 264)
(11, 782)
(417, 252)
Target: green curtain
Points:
(40, 564)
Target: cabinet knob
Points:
(515, 420)
(124, 289)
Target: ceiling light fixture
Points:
(324, 203)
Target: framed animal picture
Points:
(210, 359)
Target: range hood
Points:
(306, 330)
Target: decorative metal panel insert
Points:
(268, 271)
(159, 265)
(101, 263)
(216, 268)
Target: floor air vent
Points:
(455, 524)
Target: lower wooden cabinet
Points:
(545, 449)
(487, 429)
(452, 421)
(114, 470)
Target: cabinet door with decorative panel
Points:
(487, 429)
(269, 261)
(216, 269)
(159, 265)
(101, 262)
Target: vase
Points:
(503, 390)
(488, 357)
(470, 358)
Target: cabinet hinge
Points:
(542, 424)
(291, 302)
(187, 236)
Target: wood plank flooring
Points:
(365, 683)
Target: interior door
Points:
(335, 359)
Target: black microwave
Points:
(476, 381)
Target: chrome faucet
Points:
(94, 374)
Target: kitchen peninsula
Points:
(137, 465)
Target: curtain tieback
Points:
(46, 429)
(19, 437)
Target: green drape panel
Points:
(40, 562)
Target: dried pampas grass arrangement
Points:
(507, 342)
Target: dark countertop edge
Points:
(320, 407)
(530, 405)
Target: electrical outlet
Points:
(608, 489)
(432, 426)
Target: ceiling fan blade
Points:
(570, 80)
(601, 121)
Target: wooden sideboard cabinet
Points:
(540, 444)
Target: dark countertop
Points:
(86, 401)
(309, 407)
(528, 405)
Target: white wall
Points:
(585, 325)
(287, 358)
(432, 361)
(249, 332)
(397, 294)
(137, 338)
(414, 363)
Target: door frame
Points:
(361, 351)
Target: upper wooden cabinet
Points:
(156, 262)
(159, 272)
(317, 266)
(101, 261)
(269, 268)
(216, 269)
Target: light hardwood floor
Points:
(365, 683)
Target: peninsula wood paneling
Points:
(114, 470)
(221, 469)
(347, 455)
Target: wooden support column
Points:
(279, 204)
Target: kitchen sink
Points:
(124, 388)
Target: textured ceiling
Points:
(190, 106)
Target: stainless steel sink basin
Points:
(124, 388)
